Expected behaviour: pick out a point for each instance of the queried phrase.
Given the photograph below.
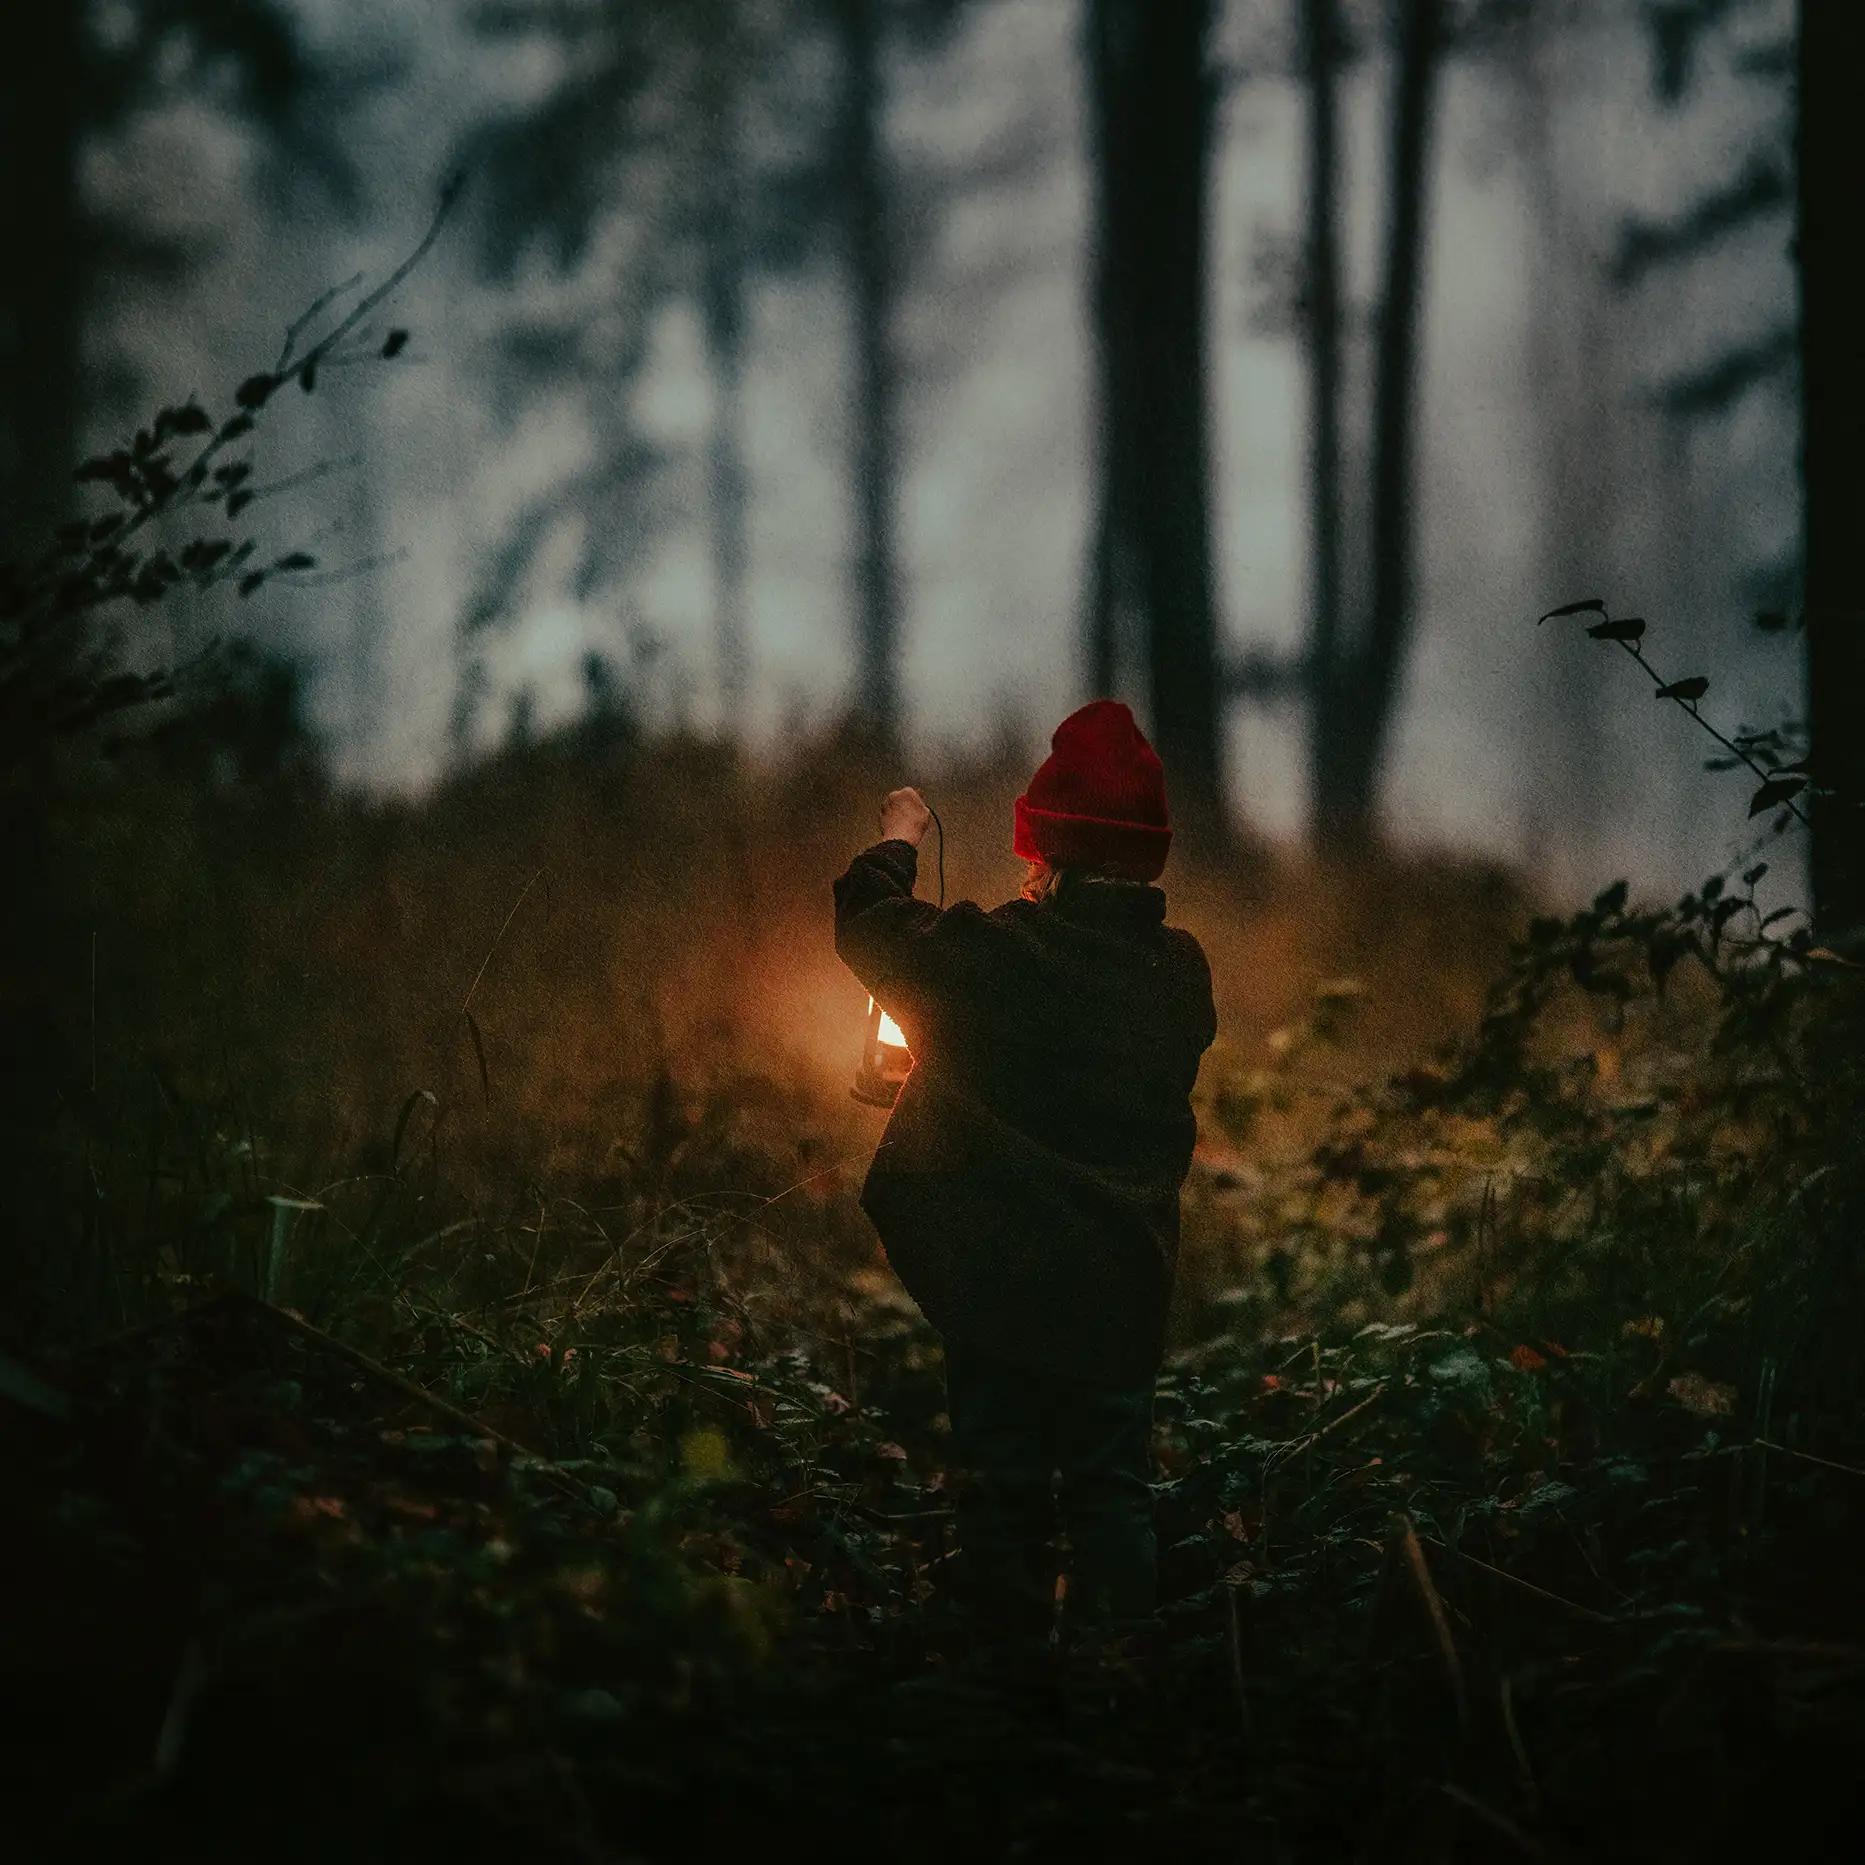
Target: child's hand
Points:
(905, 817)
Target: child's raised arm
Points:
(906, 951)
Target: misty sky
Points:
(1545, 472)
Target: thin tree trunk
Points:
(871, 286)
(1153, 108)
(730, 496)
(1831, 188)
(41, 283)
(1574, 391)
(723, 300)
(1321, 43)
(1098, 649)
(1115, 644)
(1348, 812)
(1112, 165)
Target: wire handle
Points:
(937, 824)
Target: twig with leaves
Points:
(1780, 783)
(54, 673)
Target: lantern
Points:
(885, 1063)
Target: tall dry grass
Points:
(596, 969)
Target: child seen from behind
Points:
(1027, 1187)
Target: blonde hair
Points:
(1041, 880)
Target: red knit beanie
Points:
(1099, 798)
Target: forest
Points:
(494, 494)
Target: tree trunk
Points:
(1117, 624)
(722, 293)
(1831, 189)
(1348, 803)
(1153, 109)
(871, 281)
(1575, 394)
(1111, 593)
(1321, 321)
(41, 286)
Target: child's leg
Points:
(1002, 1433)
(1104, 1440)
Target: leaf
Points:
(1754, 874)
(1775, 790)
(1691, 689)
(1546, 1496)
(479, 1050)
(307, 376)
(1827, 956)
(705, 1458)
(1665, 949)
(1525, 1359)
(255, 392)
(114, 467)
(1612, 898)
(296, 560)
(1707, 1398)
(1625, 628)
(1592, 605)
(237, 502)
(396, 342)
(251, 581)
(1463, 1369)
(202, 555)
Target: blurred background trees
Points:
(926, 365)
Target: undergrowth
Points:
(1511, 1448)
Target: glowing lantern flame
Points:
(885, 1063)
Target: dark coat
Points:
(1027, 1188)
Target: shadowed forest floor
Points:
(453, 1403)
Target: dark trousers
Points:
(1015, 1433)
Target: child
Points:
(1027, 1189)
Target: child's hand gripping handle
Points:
(905, 817)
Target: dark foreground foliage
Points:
(559, 1471)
